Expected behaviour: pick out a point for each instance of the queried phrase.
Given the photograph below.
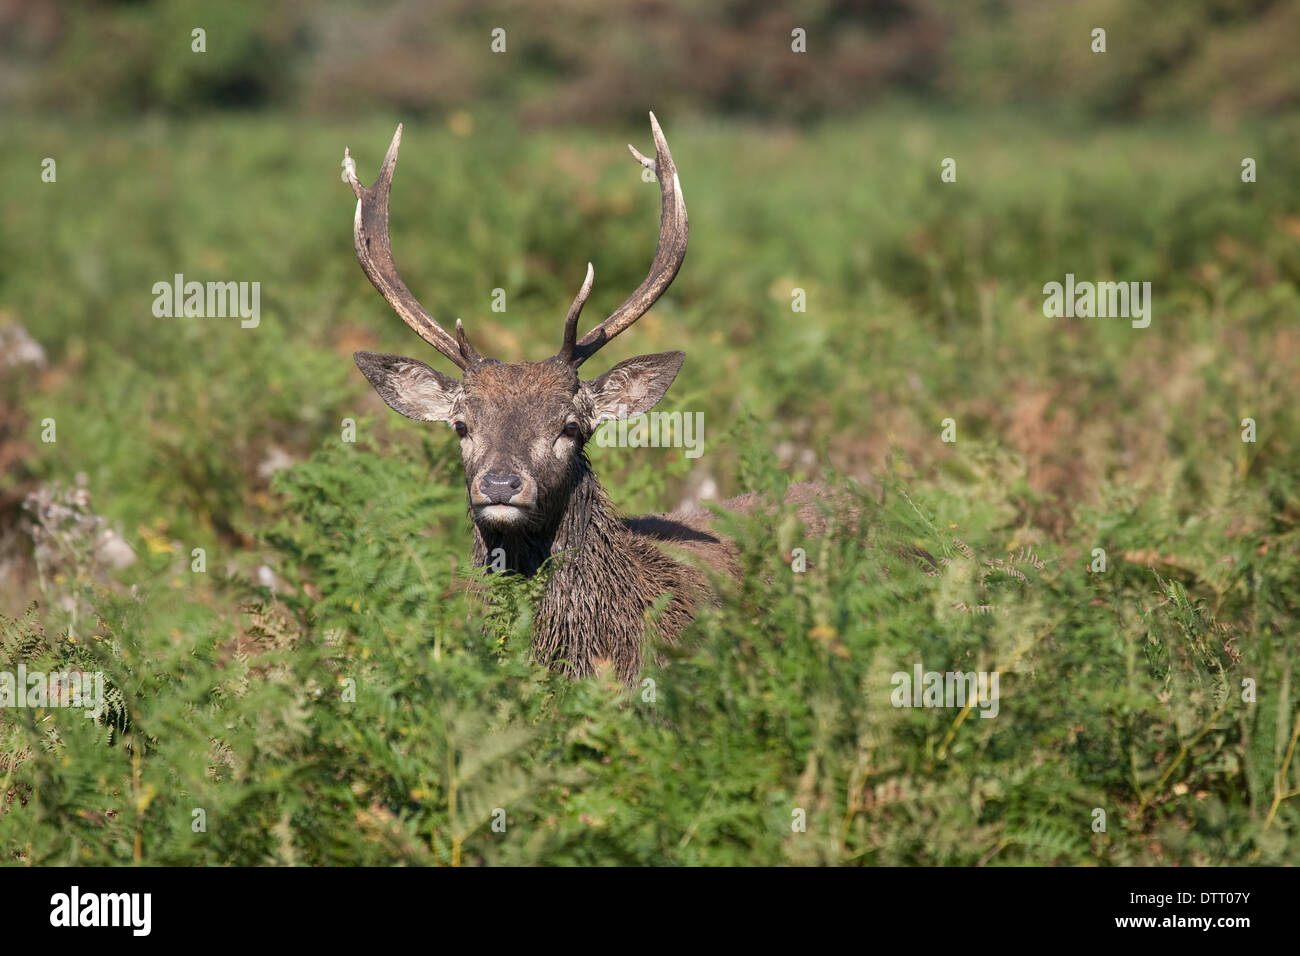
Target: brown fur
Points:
(523, 428)
(608, 570)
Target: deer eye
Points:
(571, 430)
(461, 430)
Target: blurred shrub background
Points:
(329, 561)
(582, 60)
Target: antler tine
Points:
(671, 250)
(370, 229)
(571, 320)
(462, 343)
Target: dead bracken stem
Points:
(942, 752)
(1183, 751)
(137, 849)
(1280, 792)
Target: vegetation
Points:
(338, 686)
(572, 61)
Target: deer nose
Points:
(498, 489)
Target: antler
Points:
(370, 228)
(673, 230)
(567, 352)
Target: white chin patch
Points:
(500, 514)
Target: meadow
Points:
(338, 685)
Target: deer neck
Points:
(602, 581)
(585, 520)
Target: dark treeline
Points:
(579, 61)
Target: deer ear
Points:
(634, 386)
(410, 387)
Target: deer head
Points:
(522, 426)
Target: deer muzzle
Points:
(499, 489)
(502, 498)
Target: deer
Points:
(523, 427)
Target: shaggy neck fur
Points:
(604, 578)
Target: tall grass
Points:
(338, 686)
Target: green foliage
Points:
(574, 61)
(340, 686)
(777, 703)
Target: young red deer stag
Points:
(523, 428)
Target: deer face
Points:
(522, 427)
